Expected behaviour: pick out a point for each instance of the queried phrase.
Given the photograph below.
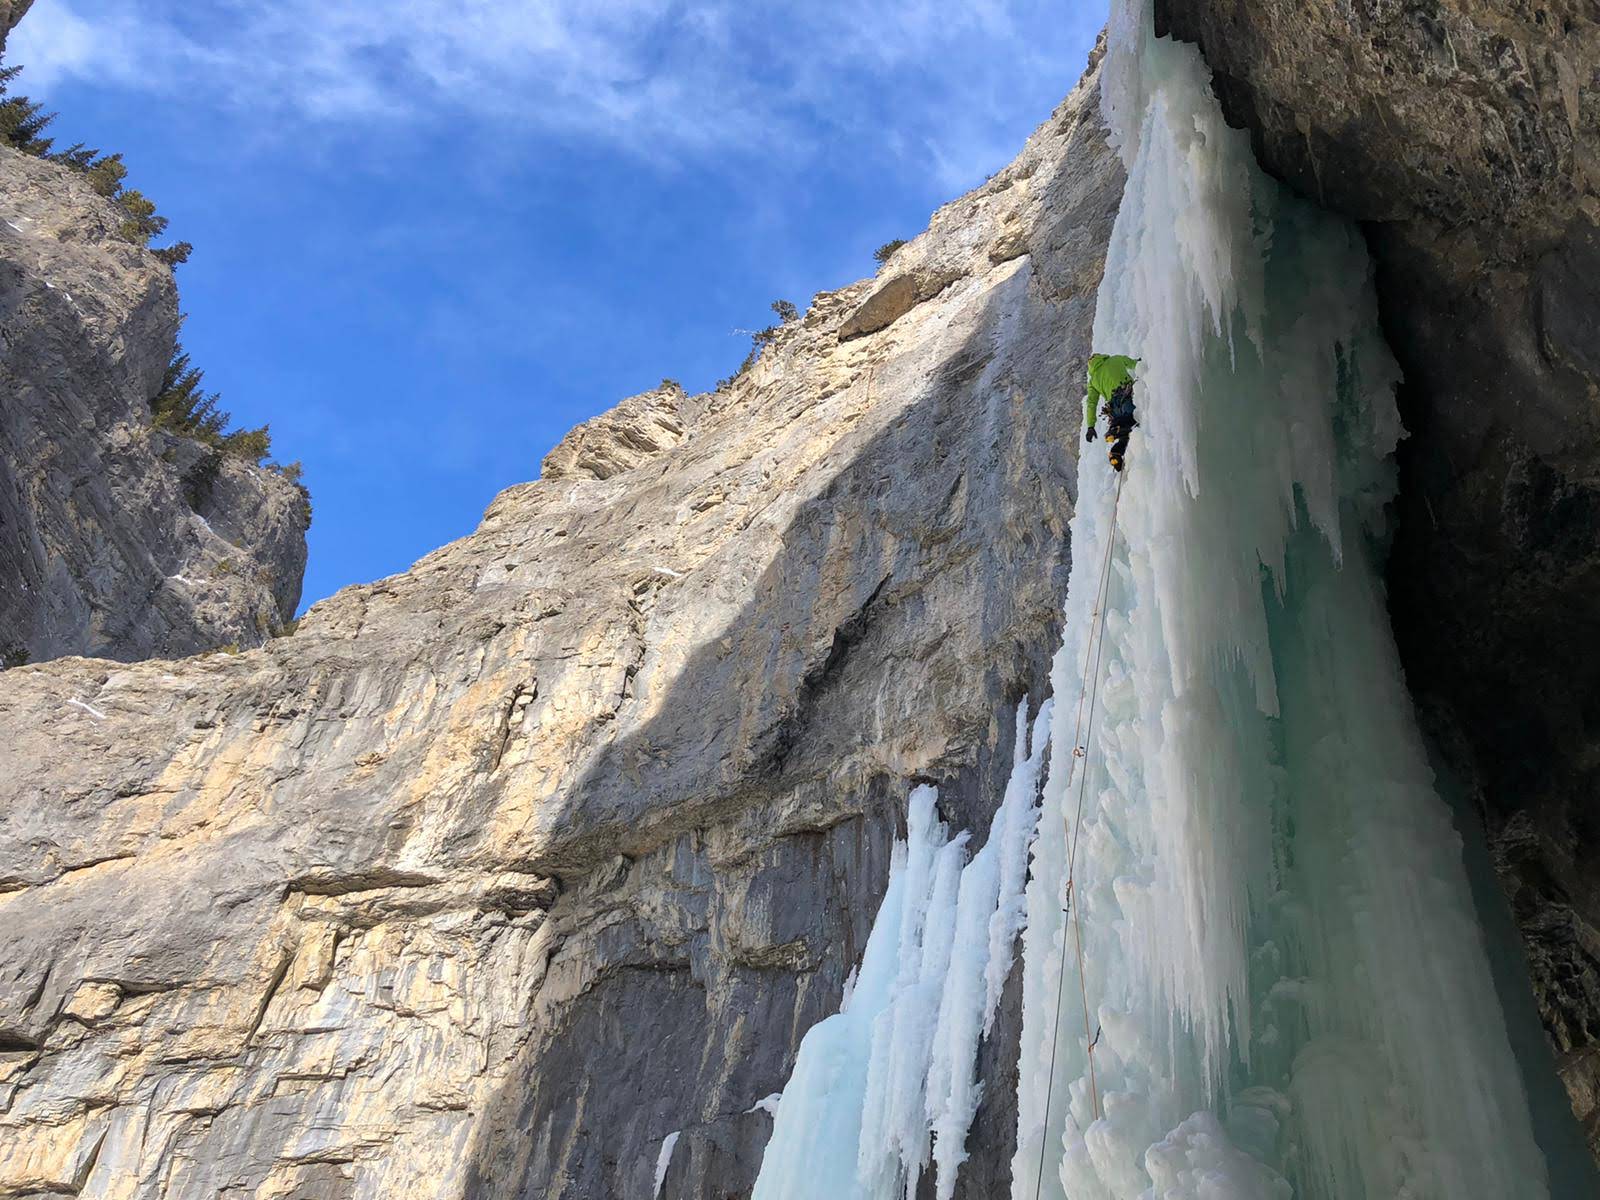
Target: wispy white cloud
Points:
(659, 78)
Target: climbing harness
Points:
(1120, 424)
(1080, 751)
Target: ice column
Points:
(1280, 953)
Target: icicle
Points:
(989, 915)
(664, 1160)
(896, 1067)
(1280, 951)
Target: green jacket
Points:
(1107, 372)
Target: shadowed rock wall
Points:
(116, 539)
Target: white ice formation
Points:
(1279, 950)
(664, 1159)
(1281, 987)
(895, 1068)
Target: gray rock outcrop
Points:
(119, 540)
(1466, 134)
(501, 870)
(11, 11)
(639, 428)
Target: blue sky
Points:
(432, 235)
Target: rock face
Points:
(11, 12)
(119, 540)
(1467, 133)
(639, 428)
(499, 871)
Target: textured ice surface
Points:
(1282, 973)
(893, 1072)
(1281, 955)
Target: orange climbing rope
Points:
(1080, 751)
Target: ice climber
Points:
(1111, 391)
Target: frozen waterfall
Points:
(1281, 956)
(1284, 987)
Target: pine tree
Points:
(142, 223)
(22, 120)
(106, 174)
(182, 406)
(77, 156)
(251, 445)
(174, 254)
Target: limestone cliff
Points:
(1466, 134)
(119, 540)
(499, 871)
